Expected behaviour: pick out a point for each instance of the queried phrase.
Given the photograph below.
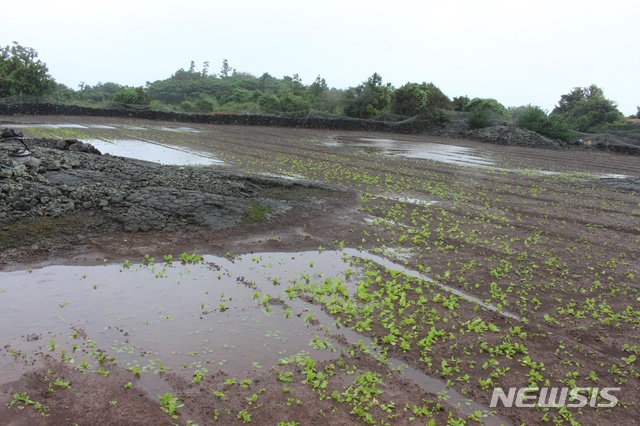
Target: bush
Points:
(187, 106)
(293, 103)
(480, 118)
(161, 106)
(536, 119)
(409, 100)
(459, 103)
(204, 105)
(586, 109)
(485, 112)
(131, 96)
(269, 102)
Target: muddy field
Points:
(347, 277)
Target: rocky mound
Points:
(72, 178)
(514, 136)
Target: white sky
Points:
(517, 51)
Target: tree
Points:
(369, 99)
(318, 87)
(485, 112)
(22, 73)
(638, 114)
(459, 102)
(413, 99)
(536, 119)
(586, 109)
(131, 96)
(290, 102)
(409, 99)
(226, 70)
(269, 102)
(435, 97)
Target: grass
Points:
(257, 213)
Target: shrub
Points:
(204, 105)
(458, 103)
(187, 106)
(269, 102)
(536, 119)
(480, 118)
(409, 99)
(293, 103)
(586, 109)
(485, 112)
(131, 96)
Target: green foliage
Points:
(480, 118)
(257, 213)
(169, 404)
(435, 97)
(21, 72)
(586, 109)
(420, 99)
(98, 93)
(485, 112)
(318, 87)
(132, 96)
(369, 99)
(238, 95)
(536, 119)
(289, 102)
(409, 99)
(226, 70)
(458, 103)
(269, 102)
(205, 105)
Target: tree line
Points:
(584, 109)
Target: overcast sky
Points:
(518, 52)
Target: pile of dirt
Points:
(513, 136)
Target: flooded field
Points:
(195, 315)
(468, 266)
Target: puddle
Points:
(205, 313)
(426, 150)
(408, 200)
(291, 176)
(100, 126)
(213, 314)
(611, 176)
(148, 151)
(177, 129)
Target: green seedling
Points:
(169, 404)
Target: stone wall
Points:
(235, 119)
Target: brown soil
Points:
(584, 223)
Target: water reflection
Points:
(426, 150)
(147, 151)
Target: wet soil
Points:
(582, 218)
